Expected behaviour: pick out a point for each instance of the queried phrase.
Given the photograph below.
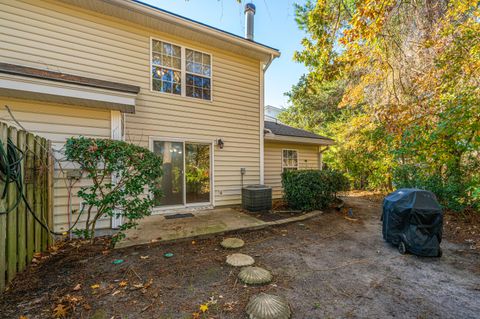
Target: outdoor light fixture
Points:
(220, 143)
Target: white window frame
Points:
(183, 71)
(167, 208)
(283, 157)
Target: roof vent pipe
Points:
(249, 14)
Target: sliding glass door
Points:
(197, 173)
(186, 172)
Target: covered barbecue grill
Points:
(413, 220)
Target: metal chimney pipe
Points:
(249, 14)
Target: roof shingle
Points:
(285, 130)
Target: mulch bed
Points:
(84, 281)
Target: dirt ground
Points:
(327, 267)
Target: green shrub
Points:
(453, 191)
(312, 189)
(135, 169)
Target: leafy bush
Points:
(453, 191)
(312, 189)
(119, 173)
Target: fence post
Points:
(21, 211)
(29, 179)
(50, 165)
(3, 217)
(38, 195)
(43, 190)
(12, 199)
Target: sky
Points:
(275, 26)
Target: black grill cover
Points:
(415, 217)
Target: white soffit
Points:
(65, 93)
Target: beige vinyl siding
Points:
(53, 35)
(57, 122)
(307, 159)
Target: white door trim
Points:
(116, 134)
(211, 143)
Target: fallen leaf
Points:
(123, 283)
(195, 315)
(22, 317)
(193, 242)
(149, 283)
(60, 311)
(116, 292)
(77, 287)
(96, 286)
(144, 257)
(203, 308)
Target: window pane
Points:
(177, 89)
(177, 52)
(177, 63)
(189, 79)
(167, 87)
(189, 91)
(206, 94)
(177, 77)
(206, 84)
(156, 58)
(167, 75)
(156, 72)
(197, 81)
(166, 48)
(189, 66)
(189, 54)
(157, 85)
(166, 61)
(197, 68)
(206, 59)
(157, 46)
(198, 57)
(197, 92)
(206, 70)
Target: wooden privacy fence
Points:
(26, 189)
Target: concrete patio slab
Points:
(157, 228)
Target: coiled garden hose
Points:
(11, 172)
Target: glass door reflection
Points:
(197, 173)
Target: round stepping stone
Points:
(255, 276)
(239, 260)
(265, 306)
(232, 243)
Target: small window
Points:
(289, 160)
(199, 69)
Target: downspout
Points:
(263, 69)
(320, 156)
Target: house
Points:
(126, 70)
(272, 112)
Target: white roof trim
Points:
(295, 139)
(45, 90)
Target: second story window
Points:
(166, 67)
(199, 68)
(181, 71)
